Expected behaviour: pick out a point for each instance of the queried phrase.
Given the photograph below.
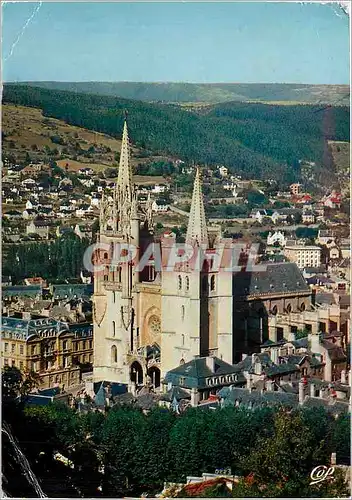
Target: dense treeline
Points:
(127, 453)
(254, 140)
(206, 92)
(57, 260)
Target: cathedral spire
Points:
(197, 228)
(124, 180)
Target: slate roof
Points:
(196, 371)
(300, 343)
(147, 401)
(175, 392)
(319, 279)
(257, 398)
(23, 329)
(81, 330)
(35, 400)
(44, 397)
(345, 301)
(115, 388)
(277, 279)
(72, 290)
(325, 298)
(315, 270)
(336, 352)
(100, 397)
(22, 291)
(330, 405)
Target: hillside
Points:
(27, 131)
(178, 92)
(340, 152)
(254, 140)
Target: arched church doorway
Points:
(154, 374)
(136, 373)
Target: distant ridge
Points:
(210, 93)
(255, 140)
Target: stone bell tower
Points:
(182, 297)
(115, 287)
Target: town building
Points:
(223, 171)
(303, 255)
(83, 231)
(333, 200)
(53, 349)
(295, 188)
(39, 227)
(277, 237)
(311, 370)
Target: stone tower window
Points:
(114, 354)
(205, 284)
(106, 273)
(303, 306)
(179, 282)
(212, 283)
(288, 308)
(182, 312)
(113, 328)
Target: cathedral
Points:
(149, 321)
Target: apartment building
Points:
(304, 256)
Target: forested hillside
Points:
(255, 140)
(208, 92)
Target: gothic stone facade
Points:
(149, 322)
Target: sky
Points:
(244, 42)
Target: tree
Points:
(281, 465)
(341, 439)
(256, 198)
(297, 218)
(110, 172)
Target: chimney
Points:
(333, 458)
(194, 397)
(26, 315)
(274, 355)
(210, 363)
(253, 358)
(314, 342)
(89, 387)
(314, 293)
(300, 393)
(269, 385)
(291, 336)
(343, 377)
(312, 390)
(249, 381)
(322, 393)
(169, 386)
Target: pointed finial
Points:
(197, 227)
(125, 171)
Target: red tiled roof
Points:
(196, 489)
